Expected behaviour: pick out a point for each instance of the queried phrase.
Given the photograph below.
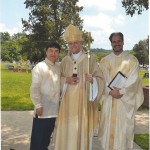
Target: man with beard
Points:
(119, 104)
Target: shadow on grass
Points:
(142, 140)
(142, 107)
(16, 103)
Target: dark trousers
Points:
(41, 131)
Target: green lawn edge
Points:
(142, 140)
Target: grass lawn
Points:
(15, 88)
(142, 140)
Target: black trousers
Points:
(41, 132)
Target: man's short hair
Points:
(116, 33)
(53, 45)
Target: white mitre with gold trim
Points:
(72, 33)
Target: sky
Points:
(100, 17)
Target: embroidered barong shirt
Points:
(45, 88)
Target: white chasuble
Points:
(117, 115)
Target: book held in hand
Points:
(118, 81)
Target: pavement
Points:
(16, 129)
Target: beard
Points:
(117, 48)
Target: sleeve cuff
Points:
(122, 91)
(107, 90)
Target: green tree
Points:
(10, 51)
(21, 39)
(141, 51)
(20, 35)
(47, 21)
(100, 55)
(135, 6)
(5, 36)
(11, 46)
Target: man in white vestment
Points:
(45, 94)
(119, 105)
(78, 113)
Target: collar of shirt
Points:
(119, 54)
(76, 56)
(49, 62)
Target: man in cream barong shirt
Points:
(119, 105)
(45, 94)
(78, 117)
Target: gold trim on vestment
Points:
(113, 124)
